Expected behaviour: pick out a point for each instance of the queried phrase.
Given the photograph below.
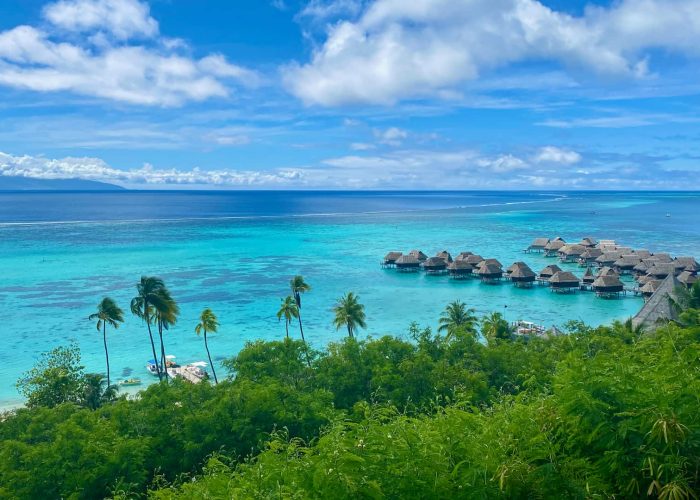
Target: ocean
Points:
(61, 252)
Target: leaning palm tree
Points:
(208, 323)
(166, 312)
(142, 307)
(494, 326)
(299, 286)
(288, 310)
(349, 313)
(108, 312)
(456, 315)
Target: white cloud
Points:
(393, 136)
(147, 74)
(362, 146)
(322, 10)
(502, 163)
(399, 49)
(553, 154)
(98, 170)
(121, 18)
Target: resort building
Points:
(490, 273)
(552, 248)
(390, 259)
(538, 245)
(564, 281)
(418, 255)
(571, 253)
(434, 265)
(548, 272)
(460, 269)
(659, 308)
(407, 263)
(444, 255)
(521, 275)
(608, 286)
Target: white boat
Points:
(528, 328)
(193, 372)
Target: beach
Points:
(235, 253)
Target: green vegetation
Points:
(606, 412)
(108, 312)
(288, 311)
(349, 313)
(208, 323)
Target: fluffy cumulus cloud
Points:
(397, 49)
(98, 170)
(112, 49)
(553, 154)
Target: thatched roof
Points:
(687, 278)
(418, 255)
(642, 253)
(494, 262)
(463, 255)
(392, 256)
(444, 255)
(522, 272)
(607, 257)
(516, 265)
(564, 278)
(588, 241)
(554, 245)
(588, 276)
(644, 279)
(627, 261)
(460, 265)
(661, 270)
(539, 243)
(434, 263)
(558, 238)
(688, 263)
(659, 308)
(663, 257)
(407, 260)
(474, 259)
(650, 286)
(606, 271)
(549, 271)
(606, 244)
(643, 266)
(490, 270)
(591, 253)
(572, 250)
(608, 283)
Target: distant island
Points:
(29, 184)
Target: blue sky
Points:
(352, 94)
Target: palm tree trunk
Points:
(104, 338)
(286, 327)
(153, 346)
(206, 345)
(163, 361)
(301, 330)
(350, 330)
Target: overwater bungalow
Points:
(538, 245)
(460, 269)
(626, 263)
(687, 263)
(588, 242)
(390, 259)
(608, 286)
(444, 255)
(463, 255)
(434, 265)
(643, 266)
(649, 288)
(474, 259)
(642, 253)
(490, 273)
(687, 278)
(418, 255)
(663, 257)
(589, 256)
(548, 272)
(551, 248)
(494, 262)
(661, 270)
(521, 275)
(571, 253)
(407, 263)
(644, 279)
(606, 271)
(607, 245)
(564, 281)
(588, 277)
(607, 258)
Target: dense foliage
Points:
(597, 413)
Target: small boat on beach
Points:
(193, 372)
(130, 382)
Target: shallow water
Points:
(235, 252)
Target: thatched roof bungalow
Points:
(390, 258)
(607, 258)
(650, 287)
(474, 259)
(688, 263)
(607, 285)
(553, 246)
(606, 271)
(626, 263)
(659, 308)
(548, 272)
(642, 253)
(564, 281)
(588, 277)
(590, 255)
(663, 257)
(463, 255)
(521, 274)
(571, 253)
(538, 244)
(490, 272)
(687, 278)
(444, 255)
(418, 255)
(434, 265)
(460, 269)
(588, 242)
(407, 263)
(494, 262)
(660, 271)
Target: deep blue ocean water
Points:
(60, 253)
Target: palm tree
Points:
(166, 312)
(208, 323)
(108, 312)
(288, 310)
(350, 313)
(494, 326)
(142, 306)
(299, 286)
(456, 315)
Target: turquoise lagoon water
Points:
(235, 252)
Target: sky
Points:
(352, 94)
